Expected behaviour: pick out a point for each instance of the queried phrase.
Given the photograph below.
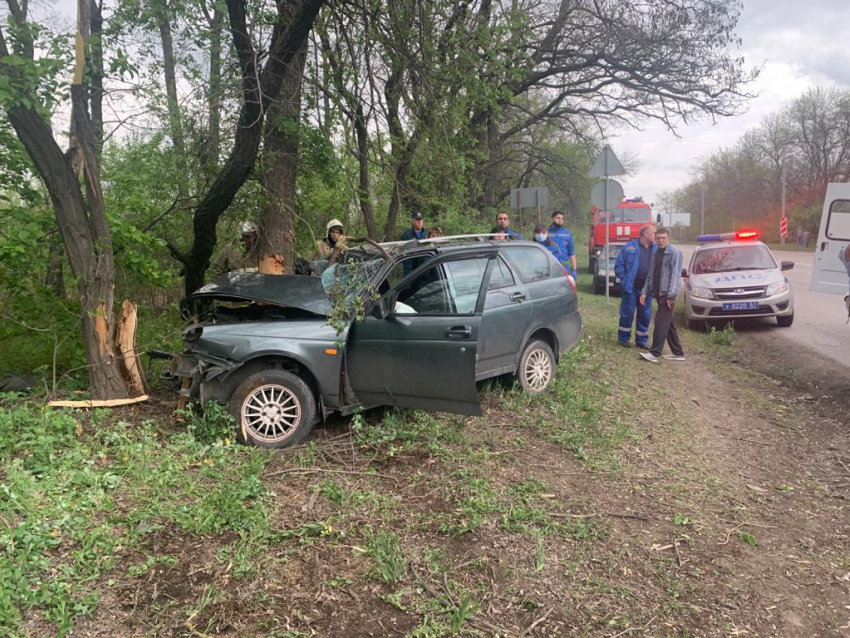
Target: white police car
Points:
(734, 276)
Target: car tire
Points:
(273, 409)
(536, 367)
(786, 321)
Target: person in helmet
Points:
(243, 257)
(334, 240)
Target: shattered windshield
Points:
(351, 277)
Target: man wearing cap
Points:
(503, 223)
(245, 258)
(334, 240)
(416, 230)
(564, 239)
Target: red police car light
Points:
(748, 233)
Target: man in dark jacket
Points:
(503, 224)
(664, 283)
(632, 268)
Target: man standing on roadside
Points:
(503, 223)
(564, 239)
(632, 268)
(664, 282)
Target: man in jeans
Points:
(664, 282)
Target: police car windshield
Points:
(732, 258)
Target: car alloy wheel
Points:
(273, 408)
(537, 367)
(271, 413)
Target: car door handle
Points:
(459, 332)
(517, 296)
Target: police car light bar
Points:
(741, 235)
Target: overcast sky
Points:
(799, 43)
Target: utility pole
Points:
(702, 211)
(781, 236)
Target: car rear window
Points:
(531, 263)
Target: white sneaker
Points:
(674, 357)
(649, 357)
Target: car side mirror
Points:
(684, 273)
(658, 218)
(787, 265)
(381, 309)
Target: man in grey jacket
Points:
(664, 283)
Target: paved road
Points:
(819, 318)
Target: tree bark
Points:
(214, 99)
(81, 220)
(257, 95)
(96, 74)
(170, 71)
(279, 171)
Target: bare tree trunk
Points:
(364, 191)
(81, 220)
(210, 149)
(279, 171)
(96, 74)
(259, 89)
(169, 68)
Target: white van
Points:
(829, 273)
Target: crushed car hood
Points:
(295, 291)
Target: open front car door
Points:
(418, 349)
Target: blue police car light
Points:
(741, 235)
(706, 238)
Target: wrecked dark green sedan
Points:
(413, 325)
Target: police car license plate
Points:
(741, 305)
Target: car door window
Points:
(531, 263)
(838, 224)
(444, 289)
(501, 276)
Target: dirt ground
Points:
(724, 512)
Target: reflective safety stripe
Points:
(641, 334)
(629, 330)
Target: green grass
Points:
(61, 523)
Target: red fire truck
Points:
(626, 221)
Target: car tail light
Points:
(571, 281)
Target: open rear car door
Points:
(829, 273)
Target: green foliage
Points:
(62, 524)
(724, 338)
(385, 551)
(748, 538)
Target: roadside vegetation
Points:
(590, 510)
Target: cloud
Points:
(799, 45)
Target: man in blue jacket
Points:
(632, 268)
(503, 223)
(664, 283)
(564, 239)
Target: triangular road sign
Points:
(607, 164)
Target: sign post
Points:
(605, 166)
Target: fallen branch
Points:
(99, 403)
